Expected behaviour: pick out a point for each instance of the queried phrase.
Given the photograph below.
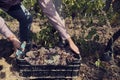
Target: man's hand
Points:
(15, 41)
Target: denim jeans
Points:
(20, 13)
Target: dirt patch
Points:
(90, 51)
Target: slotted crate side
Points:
(49, 73)
(49, 67)
(61, 71)
(50, 78)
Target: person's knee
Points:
(26, 20)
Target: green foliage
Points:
(98, 63)
(87, 9)
(29, 3)
(91, 33)
(84, 7)
(47, 37)
(5, 15)
(81, 8)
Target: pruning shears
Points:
(19, 53)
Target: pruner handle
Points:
(20, 52)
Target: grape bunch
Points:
(51, 56)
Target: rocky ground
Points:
(91, 67)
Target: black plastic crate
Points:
(50, 72)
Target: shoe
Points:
(78, 56)
(30, 46)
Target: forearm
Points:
(5, 30)
(50, 11)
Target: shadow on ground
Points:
(6, 50)
(91, 53)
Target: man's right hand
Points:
(16, 42)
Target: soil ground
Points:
(88, 69)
